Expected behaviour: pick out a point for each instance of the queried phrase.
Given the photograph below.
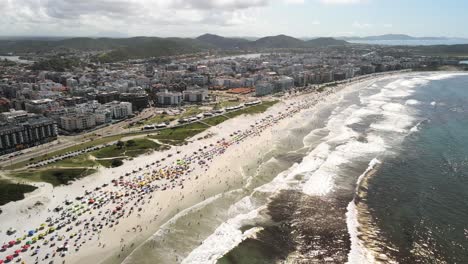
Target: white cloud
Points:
(134, 17)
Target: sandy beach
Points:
(194, 172)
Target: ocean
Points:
(416, 42)
(380, 175)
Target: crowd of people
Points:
(82, 219)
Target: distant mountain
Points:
(222, 42)
(117, 49)
(270, 42)
(320, 42)
(144, 47)
(392, 37)
(280, 41)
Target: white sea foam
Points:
(412, 102)
(358, 253)
(416, 127)
(442, 76)
(433, 103)
(227, 236)
(319, 168)
(162, 230)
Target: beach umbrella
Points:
(28, 243)
(19, 239)
(10, 257)
(17, 252)
(5, 246)
(12, 243)
(1, 261)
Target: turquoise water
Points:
(420, 197)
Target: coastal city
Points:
(296, 131)
(39, 106)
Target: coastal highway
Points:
(63, 142)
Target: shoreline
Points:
(241, 153)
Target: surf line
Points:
(364, 234)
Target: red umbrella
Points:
(26, 246)
(10, 258)
(12, 243)
(1, 261)
(17, 252)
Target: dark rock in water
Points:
(305, 229)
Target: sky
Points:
(242, 18)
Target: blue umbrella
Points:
(31, 232)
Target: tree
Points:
(131, 143)
(120, 144)
(116, 163)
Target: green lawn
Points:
(190, 111)
(138, 147)
(256, 109)
(173, 136)
(178, 135)
(108, 163)
(225, 104)
(92, 142)
(10, 192)
(160, 119)
(54, 176)
(82, 160)
(213, 121)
